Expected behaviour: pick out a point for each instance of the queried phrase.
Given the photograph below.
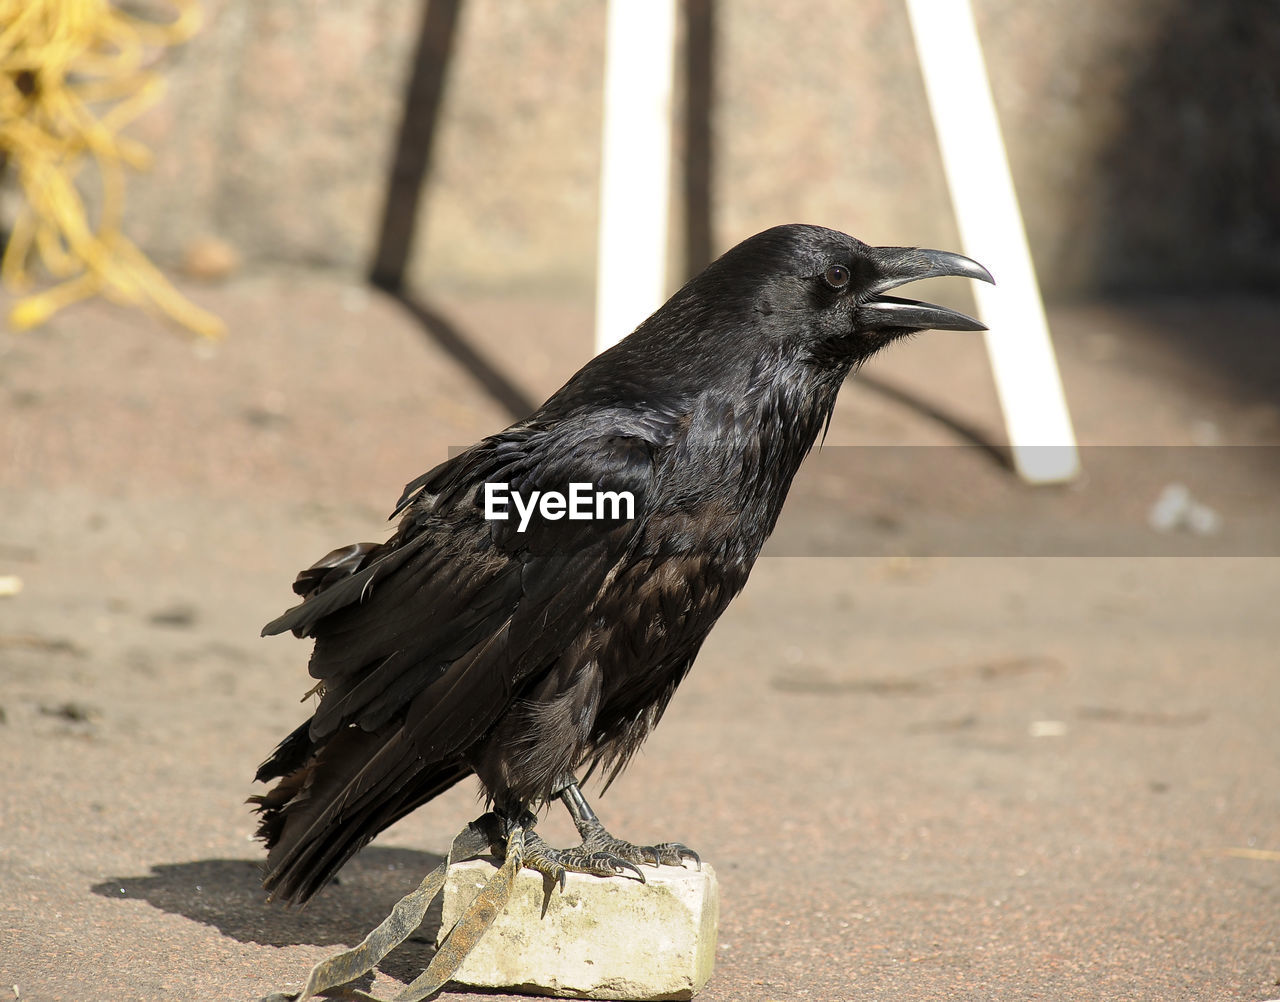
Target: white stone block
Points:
(601, 938)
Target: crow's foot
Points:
(662, 854)
(589, 857)
(598, 842)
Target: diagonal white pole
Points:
(631, 267)
(990, 223)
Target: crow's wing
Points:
(456, 613)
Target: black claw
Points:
(670, 854)
(682, 851)
(620, 865)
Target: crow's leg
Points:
(600, 853)
(593, 834)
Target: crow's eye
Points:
(837, 276)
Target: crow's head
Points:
(785, 306)
(828, 289)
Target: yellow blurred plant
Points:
(73, 73)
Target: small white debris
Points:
(10, 585)
(1047, 728)
(1169, 508)
(1175, 508)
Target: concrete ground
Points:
(957, 739)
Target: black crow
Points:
(528, 648)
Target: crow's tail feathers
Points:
(331, 800)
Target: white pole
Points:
(636, 166)
(990, 223)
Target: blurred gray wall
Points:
(1144, 136)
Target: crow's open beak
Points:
(897, 266)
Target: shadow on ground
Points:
(227, 894)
